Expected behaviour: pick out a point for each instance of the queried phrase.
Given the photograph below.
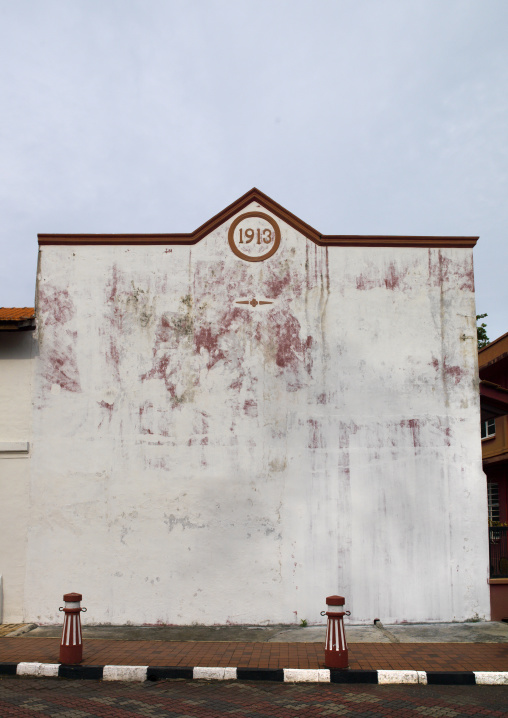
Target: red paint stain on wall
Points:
(236, 385)
(113, 356)
(204, 338)
(115, 317)
(316, 268)
(276, 285)
(61, 368)
(160, 370)
(467, 283)
(316, 440)
(153, 420)
(414, 426)
(55, 305)
(362, 283)
(439, 267)
(443, 270)
(392, 279)
(250, 407)
(448, 371)
(454, 372)
(221, 332)
(162, 333)
(292, 351)
(60, 365)
(146, 418)
(113, 284)
(159, 463)
(199, 429)
(109, 408)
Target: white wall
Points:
(16, 364)
(196, 460)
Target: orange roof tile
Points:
(16, 314)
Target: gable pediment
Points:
(265, 202)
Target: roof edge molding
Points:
(255, 195)
(490, 344)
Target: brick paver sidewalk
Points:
(363, 656)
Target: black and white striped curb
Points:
(285, 675)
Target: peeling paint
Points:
(108, 407)
(414, 427)
(205, 339)
(184, 522)
(55, 305)
(326, 442)
(62, 369)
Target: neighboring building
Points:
(230, 425)
(16, 364)
(493, 367)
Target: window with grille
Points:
(493, 501)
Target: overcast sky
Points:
(360, 116)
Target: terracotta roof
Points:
(16, 314)
(494, 341)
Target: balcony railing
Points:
(498, 550)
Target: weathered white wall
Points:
(196, 460)
(16, 364)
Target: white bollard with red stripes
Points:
(71, 645)
(336, 652)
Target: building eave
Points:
(26, 325)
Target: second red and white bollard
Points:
(71, 645)
(336, 652)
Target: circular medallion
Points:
(254, 236)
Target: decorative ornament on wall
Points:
(254, 302)
(254, 236)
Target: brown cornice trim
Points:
(366, 240)
(497, 459)
(71, 239)
(255, 195)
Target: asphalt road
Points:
(27, 697)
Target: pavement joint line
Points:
(286, 675)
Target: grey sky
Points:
(361, 116)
